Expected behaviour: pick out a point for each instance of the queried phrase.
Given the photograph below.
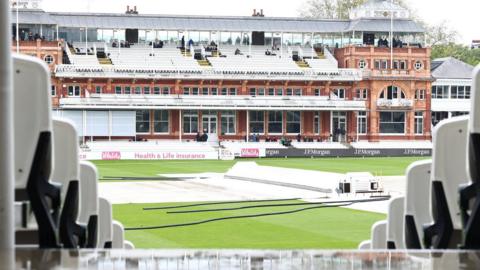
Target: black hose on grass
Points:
(276, 205)
(216, 203)
(125, 178)
(234, 217)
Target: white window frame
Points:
(362, 64)
(317, 120)
(418, 65)
(362, 115)
(49, 59)
(338, 94)
(190, 115)
(393, 134)
(53, 91)
(419, 118)
(74, 91)
(155, 120)
(149, 122)
(230, 116)
(295, 122)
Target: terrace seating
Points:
(395, 229)
(470, 193)
(379, 235)
(167, 58)
(417, 206)
(448, 173)
(33, 144)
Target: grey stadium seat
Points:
(379, 235)
(417, 203)
(470, 194)
(448, 173)
(395, 223)
(105, 234)
(89, 201)
(33, 147)
(67, 172)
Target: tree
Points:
(461, 52)
(440, 34)
(329, 9)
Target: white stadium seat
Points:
(417, 203)
(379, 235)
(470, 194)
(89, 202)
(365, 245)
(128, 245)
(67, 172)
(395, 223)
(118, 236)
(105, 233)
(448, 173)
(33, 145)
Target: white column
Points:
(248, 125)
(180, 128)
(7, 231)
(250, 44)
(57, 33)
(391, 37)
(86, 40)
(311, 43)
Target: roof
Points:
(210, 23)
(451, 68)
(383, 25)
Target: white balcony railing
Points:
(395, 103)
(301, 103)
(136, 72)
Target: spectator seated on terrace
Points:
(383, 42)
(397, 43)
(286, 142)
(157, 44)
(212, 47)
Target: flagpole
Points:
(16, 30)
(391, 35)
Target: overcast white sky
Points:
(462, 15)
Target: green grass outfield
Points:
(146, 168)
(325, 228)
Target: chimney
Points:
(261, 12)
(254, 12)
(135, 8)
(128, 8)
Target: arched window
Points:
(392, 92)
